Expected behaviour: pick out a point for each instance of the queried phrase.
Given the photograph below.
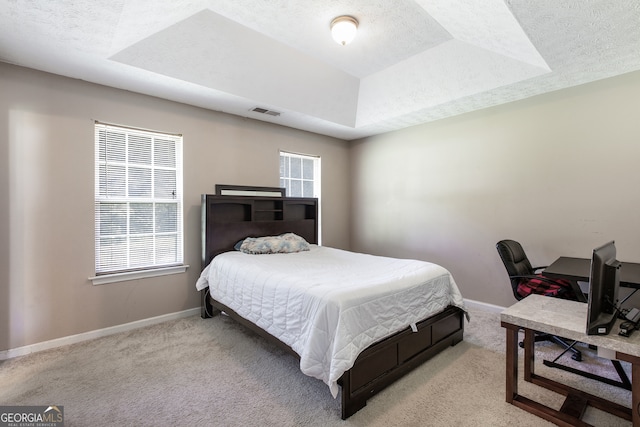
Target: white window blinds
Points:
(138, 199)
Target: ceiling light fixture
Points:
(343, 29)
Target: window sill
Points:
(134, 275)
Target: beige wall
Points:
(558, 172)
(46, 198)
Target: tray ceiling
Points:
(411, 62)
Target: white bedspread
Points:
(328, 304)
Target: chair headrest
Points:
(514, 258)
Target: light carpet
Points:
(215, 372)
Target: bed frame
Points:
(228, 219)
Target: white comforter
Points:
(328, 304)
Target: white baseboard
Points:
(73, 339)
(483, 306)
(85, 336)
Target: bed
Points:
(359, 337)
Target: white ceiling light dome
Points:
(344, 29)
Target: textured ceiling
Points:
(411, 62)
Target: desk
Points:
(579, 269)
(567, 319)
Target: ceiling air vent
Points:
(265, 111)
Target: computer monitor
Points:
(603, 290)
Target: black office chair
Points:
(525, 280)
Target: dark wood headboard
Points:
(229, 219)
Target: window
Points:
(138, 202)
(300, 175)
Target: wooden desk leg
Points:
(635, 392)
(529, 354)
(511, 361)
(635, 386)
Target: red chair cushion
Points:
(557, 288)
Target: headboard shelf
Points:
(229, 219)
(301, 209)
